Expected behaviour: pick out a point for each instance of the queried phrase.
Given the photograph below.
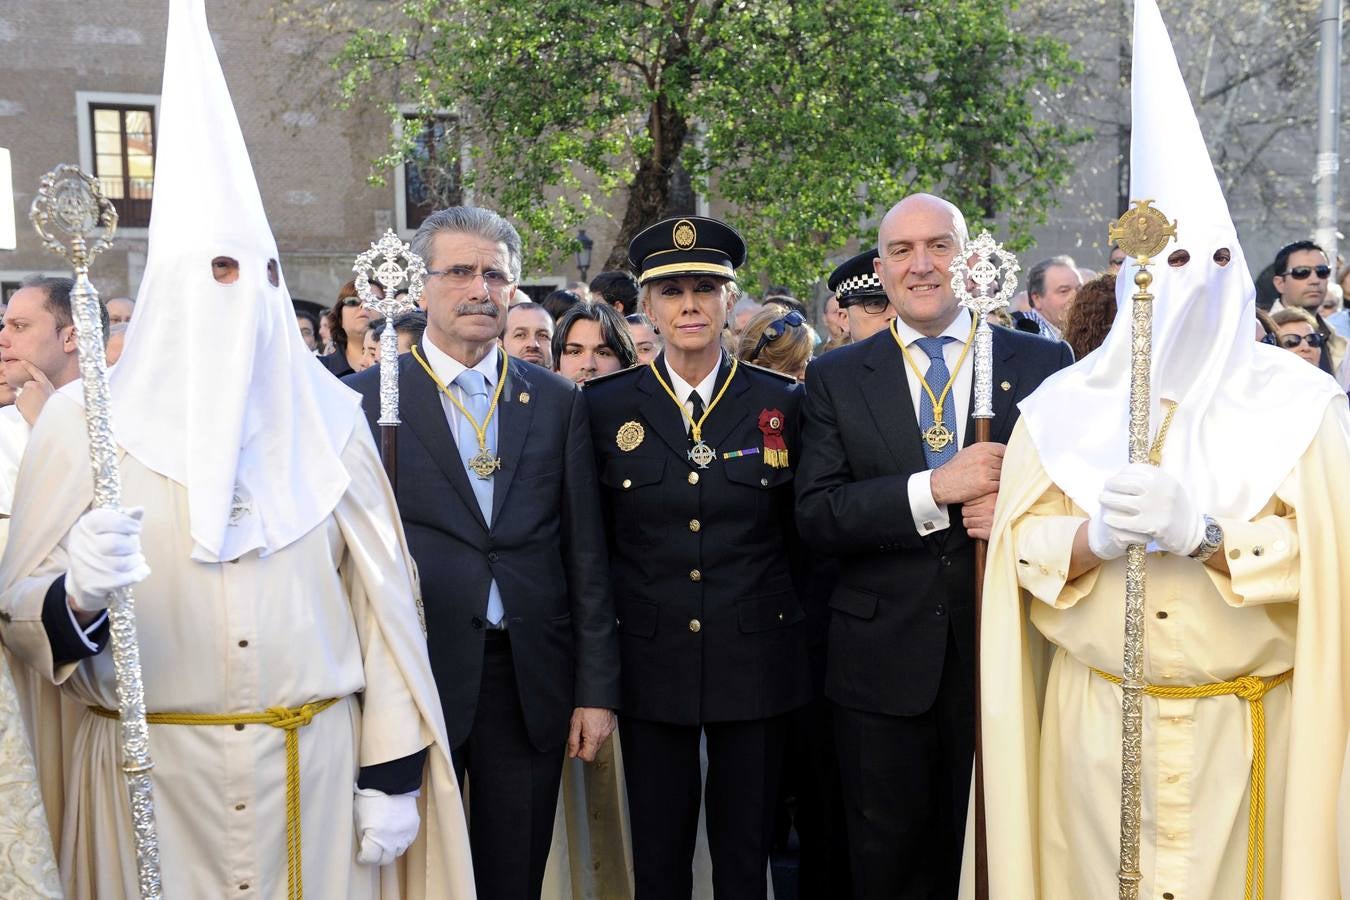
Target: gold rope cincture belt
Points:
(288, 720)
(1253, 689)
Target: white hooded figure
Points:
(275, 599)
(1245, 647)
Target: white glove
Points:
(1146, 501)
(386, 825)
(105, 554)
(1110, 543)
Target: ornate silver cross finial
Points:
(992, 271)
(381, 263)
(67, 211)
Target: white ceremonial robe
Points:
(1053, 742)
(27, 864)
(331, 615)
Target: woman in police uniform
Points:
(695, 454)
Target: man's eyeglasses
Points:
(463, 276)
(1301, 273)
(873, 305)
(776, 329)
(1291, 341)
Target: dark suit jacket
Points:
(336, 362)
(898, 593)
(546, 547)
(710, 624)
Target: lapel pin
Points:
(1006, 386)
(525, 396)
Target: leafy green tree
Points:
(808, 118)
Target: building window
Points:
(124, 158)
(432, 174)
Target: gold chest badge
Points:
(630, 436)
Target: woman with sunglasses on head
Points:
(696, 456)
(1296, 331)
(347, 322)
(777, 338)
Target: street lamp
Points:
(584, 252)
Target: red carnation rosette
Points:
(775, 448)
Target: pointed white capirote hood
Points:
(1245, 411)
(215, 389)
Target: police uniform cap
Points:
(686, 245)
(856, 279)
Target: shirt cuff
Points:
(1263, 561)
(929, 517)
(1044, 549)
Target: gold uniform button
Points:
(627, 483)
(764, 482)
(695, 626)
(695, 525)
(695, 575)
(1234, 553)
(693, 478)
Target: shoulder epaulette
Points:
(767, 371)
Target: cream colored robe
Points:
(331, 615)
(1052, 745)
(27, 864)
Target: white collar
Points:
(959, 329)
(704, 387)
(447, 368)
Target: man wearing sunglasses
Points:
(862, 298)
(1302, 274)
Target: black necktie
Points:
(696, 400)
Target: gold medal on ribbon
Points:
(483, 463)
(700, 454)
(937, 436)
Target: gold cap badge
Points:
(685, 235)
(630, 436)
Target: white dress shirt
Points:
(683, 388)
(931, 517)
(447, 369)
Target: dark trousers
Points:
(513, 788)
(811, 779)
(906, 782)
(664, 779)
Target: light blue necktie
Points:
(474, 392)
(936, 377)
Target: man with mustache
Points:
(498, 495)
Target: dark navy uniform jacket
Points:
(704, 570)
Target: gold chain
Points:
(479, 430)
(1155, 452)
(923, 382)
(695, 428)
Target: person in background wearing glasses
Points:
(1296, 331)
(696, 453)
(1301, 276)
(497, 491)
(859, 293)
(347, 322)
(777, 338)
